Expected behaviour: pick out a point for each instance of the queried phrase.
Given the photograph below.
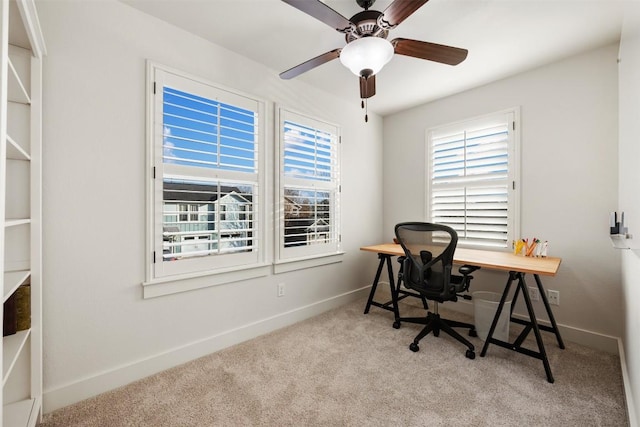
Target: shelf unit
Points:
(624, 241)
(21, 51)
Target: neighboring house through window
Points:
(472, 179)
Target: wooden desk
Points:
(494, 260)
(517, 266)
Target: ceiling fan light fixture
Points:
(366, 53)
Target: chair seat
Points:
(435, 293)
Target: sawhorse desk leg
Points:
(384, 258)
(543, 295)
(532, 324)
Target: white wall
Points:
(98, 331)
(569, 178)
(629, 86)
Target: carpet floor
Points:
(343, 368)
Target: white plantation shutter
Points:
(471, 174)
(207, 181)
(309, 187)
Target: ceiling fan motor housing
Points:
(366, 24)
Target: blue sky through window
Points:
(308, 152)
(207, 133)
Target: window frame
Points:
(290, 259)
(215, 271)
(514, 169)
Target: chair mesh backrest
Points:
(429, 252)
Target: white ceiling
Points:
(504, 37)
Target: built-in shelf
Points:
(13, 280)
(22, 49)
(15, 151)
(16, 90)
(624, 241)
(16, 222)
(12, 345)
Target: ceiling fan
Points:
(367, 49)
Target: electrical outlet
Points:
(534, 294)
(554, 297)
(280, 289)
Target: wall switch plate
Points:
(534, 294)
(280, 289)
(554, 297)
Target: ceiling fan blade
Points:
(321, 12)
(367, 86)
(308, 65)
(400, 10)
(429, 51)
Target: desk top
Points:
(495, 260)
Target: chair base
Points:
(434, 323)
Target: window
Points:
(206, 203)
(471, 179)
(309, 187)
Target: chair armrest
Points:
(465, 270)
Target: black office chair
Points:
(427, 269)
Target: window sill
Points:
(284, 266)
(189, 282)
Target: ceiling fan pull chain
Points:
(366, 111)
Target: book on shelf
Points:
(10, 316)
(23, 307)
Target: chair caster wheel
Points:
(473, 333)
(470, 354)
(396, 325)
(414, 347)
(436, 333)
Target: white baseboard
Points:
(113, 378)
(631, 413)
